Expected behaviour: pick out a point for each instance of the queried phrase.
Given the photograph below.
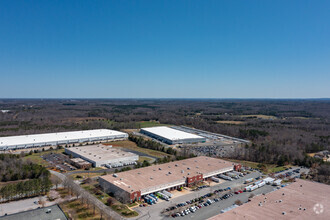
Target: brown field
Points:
(231, 122)
(77, 210)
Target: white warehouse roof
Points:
(73, 136)
(171, 133)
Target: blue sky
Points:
(165, 49)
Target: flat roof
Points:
(37, 214)
(54, 137)
(80, 161)
(171, 133)
(156, 175)
(100, 152)
(297, 200)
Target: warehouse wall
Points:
(119, 193)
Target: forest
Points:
(30, 179)
(282, 131)
(25, 189)
(13, 168)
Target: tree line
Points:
(25, 189)
(150, 144)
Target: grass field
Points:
(77, 210)
(258, 116)
(231, 122)
(85, 175)
(124, 210)
(145, 124)
(35, 157)
(132, 146)
(143, 158)
(117, 206)
(269, 168)
(90, 169)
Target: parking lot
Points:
(154, 211)
(59, 161)
(216, 207)
(294, 171)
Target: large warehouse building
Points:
(101, 155)
(302, 199)
(132, 185)
(61, 138)
(172, 136)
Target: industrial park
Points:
(188, 184)
(164, 110)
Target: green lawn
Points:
(276, 169)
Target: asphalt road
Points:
(154, 211)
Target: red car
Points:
(237, 192)
(240, 191)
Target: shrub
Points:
(109, 201)
(238, 202)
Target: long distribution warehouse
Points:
(101, 155)
(61, 138)
(171, 135)
(131, 185)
